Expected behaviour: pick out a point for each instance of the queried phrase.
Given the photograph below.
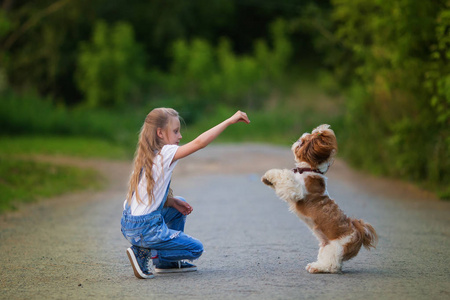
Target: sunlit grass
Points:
(68, 146)
(24, 181)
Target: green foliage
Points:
(207, 75)
(29, 115)
(63, 145)
(281, 121)
(438, 74)
(5, 24)
(5, 27)
(274, 62)
(37, 48)
(237, 79)
(398, 106)
(42, 37)
(111, 66)
(27, 181)
(195, 56)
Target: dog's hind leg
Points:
(329, 259)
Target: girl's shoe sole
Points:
(137, 270)
(175, 270)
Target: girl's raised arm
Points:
(208, 136)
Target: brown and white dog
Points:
(304, 189)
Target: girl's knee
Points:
(197, 249)
(197, 253)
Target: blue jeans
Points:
(162, 231)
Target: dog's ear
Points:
(305, 152)
(318, 147)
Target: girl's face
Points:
(171, 135)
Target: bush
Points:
(25, 181)
(206, 75)
(111, 66)
(398, 119)
(29, 114)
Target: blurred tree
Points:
(207, 75)
(399, 73)
(40, 46)
(38, 49)
(4, 29)
(111, 66)
(158, 23)
(438, 74)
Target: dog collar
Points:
(301, 170)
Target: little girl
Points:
(153, 220)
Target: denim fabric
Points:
(161, 231)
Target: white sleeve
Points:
(168, 152)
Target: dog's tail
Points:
(366, 233)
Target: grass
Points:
(25, 181)
(63, 145)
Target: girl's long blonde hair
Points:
(149, 145)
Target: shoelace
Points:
(150, 265)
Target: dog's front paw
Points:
(266, 181)
(270, 177)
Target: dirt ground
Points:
(70, 247)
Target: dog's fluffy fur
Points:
(305, 191)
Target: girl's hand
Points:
(239, 116)
(181, 206)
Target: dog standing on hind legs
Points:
(304, 189)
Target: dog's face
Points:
(317, 147)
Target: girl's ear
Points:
(159, 132)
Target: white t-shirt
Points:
(162, 173)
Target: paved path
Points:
(71, 247)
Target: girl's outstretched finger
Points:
(245, 117)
